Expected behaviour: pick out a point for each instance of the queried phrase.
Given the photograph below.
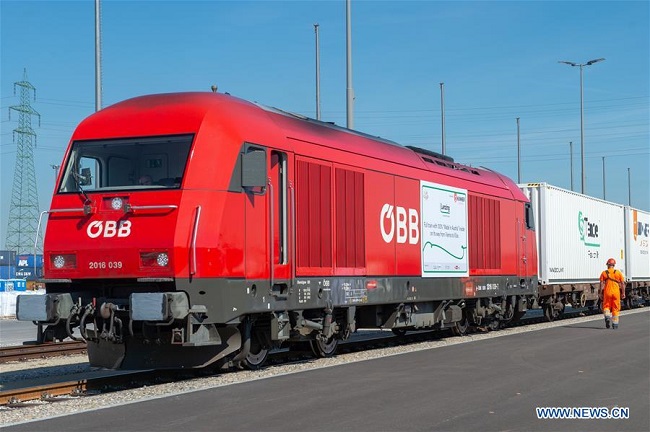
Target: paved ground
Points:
(487, 385)
(14, 332)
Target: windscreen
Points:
(137, 163)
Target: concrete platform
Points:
(488, 385)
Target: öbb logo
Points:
(395, 219)
(109, 229)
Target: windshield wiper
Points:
(78, 179)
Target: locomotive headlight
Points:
(64, 261)
(58, 261)
(117, 203)
(154, 259)
(162, 259)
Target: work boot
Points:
(614, 326)
(606, 322)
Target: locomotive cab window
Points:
(136, 164)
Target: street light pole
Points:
(98, 57)
(629, 189)
(442, 111)
(604, 196)
(518, 154)
(317, 73)
(349, 91)
(582, 127)
(571, 159)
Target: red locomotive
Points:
(197, 228)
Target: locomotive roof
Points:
(190, 110)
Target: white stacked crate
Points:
(576, 234)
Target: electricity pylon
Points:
(23, 210)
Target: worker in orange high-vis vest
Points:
(612, 290)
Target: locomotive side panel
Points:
(513, 230)
(408, 226)
(380, 250)
(314, 249)
(219, 252)
(486, 217)
(349, 220)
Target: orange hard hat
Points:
(611, 262)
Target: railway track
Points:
(107, 381)
(24, 352)
(83, 386)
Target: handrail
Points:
(38, 231)
(66, 210)
(195, 230)
(130, 208)
(271, 232)
(292, 231)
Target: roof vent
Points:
(430, 153)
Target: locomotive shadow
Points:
(54, 374)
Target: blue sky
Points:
(498, 60)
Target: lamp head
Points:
(590, 62)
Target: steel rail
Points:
(47, 392)
(23, 352)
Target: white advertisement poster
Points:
(444, 230)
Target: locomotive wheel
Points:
(460, 327)
(494, 325)
(257, 356)
(399, 332)
(583, 299)
(324, 349)
(550, 313)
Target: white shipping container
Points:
(576, 234)
(637, 229)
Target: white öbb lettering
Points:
(393, 218)
(109, 229)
